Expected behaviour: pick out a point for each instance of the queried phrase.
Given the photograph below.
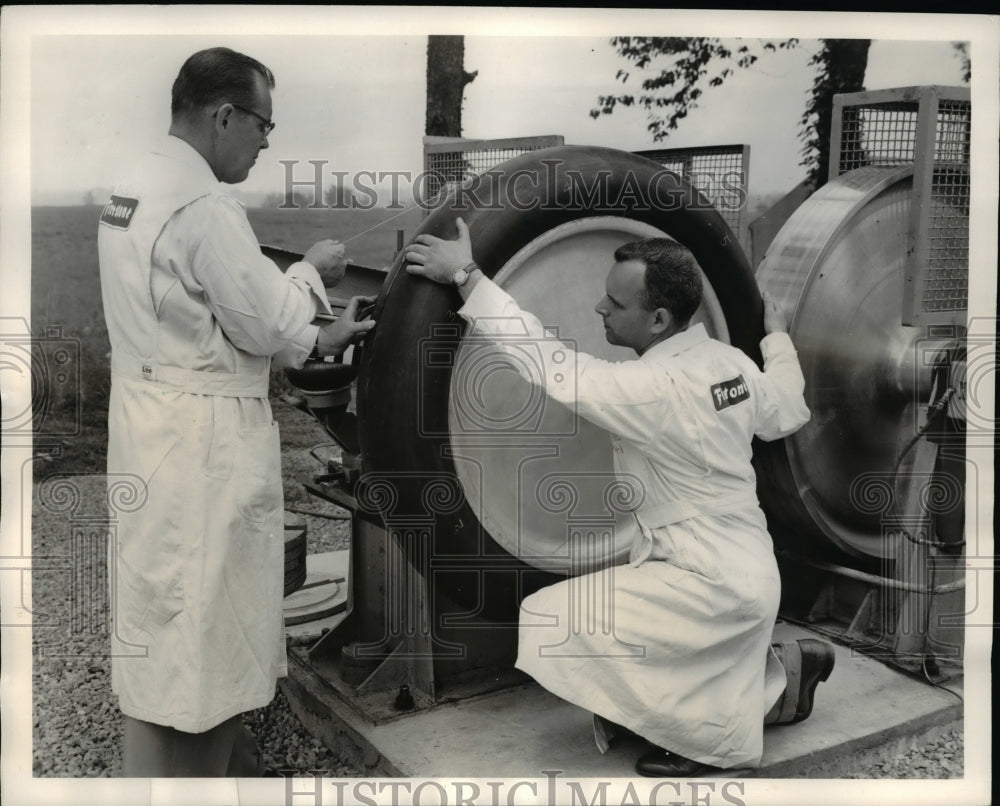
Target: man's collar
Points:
(176, 148)
(678, 343)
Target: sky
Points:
(357, 101)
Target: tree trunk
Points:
(446, 80)
(842, 64)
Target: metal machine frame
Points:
(412, 648)
(909, 611)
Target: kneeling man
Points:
(700, 594)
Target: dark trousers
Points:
(156, 751)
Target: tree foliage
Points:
(962, 50)
(695, 64)
(840, 66)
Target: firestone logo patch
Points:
(729, 393)
(118, 212)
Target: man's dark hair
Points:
(672, 277)
(214, 76)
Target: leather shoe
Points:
(817, 664)
(808, 662)
(664, 764)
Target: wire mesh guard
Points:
(450, 162)
(946, 287)
(719, 172)
(928, 128)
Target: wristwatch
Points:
(461, 277)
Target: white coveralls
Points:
(195, 312)
(679, 657)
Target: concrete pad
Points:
(522, 731)
(863, 705)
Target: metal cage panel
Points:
(721, 173)
(928, 128)
(451, 161)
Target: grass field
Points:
(70, 396)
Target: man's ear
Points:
(223, 118)
(661, 320)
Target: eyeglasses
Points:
(267, 125)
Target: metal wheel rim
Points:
(514, 460)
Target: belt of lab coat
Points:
(676, 511)
(193, 381)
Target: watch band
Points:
(467, 271)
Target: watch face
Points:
(460, 277)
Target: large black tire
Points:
(408, 475)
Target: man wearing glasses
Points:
(195, 315)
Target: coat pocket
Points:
(257, 473)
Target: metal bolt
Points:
(404, 700)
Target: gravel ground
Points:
(942, 757)
(77, 726)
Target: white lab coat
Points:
(672, 645)
(196, 564)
